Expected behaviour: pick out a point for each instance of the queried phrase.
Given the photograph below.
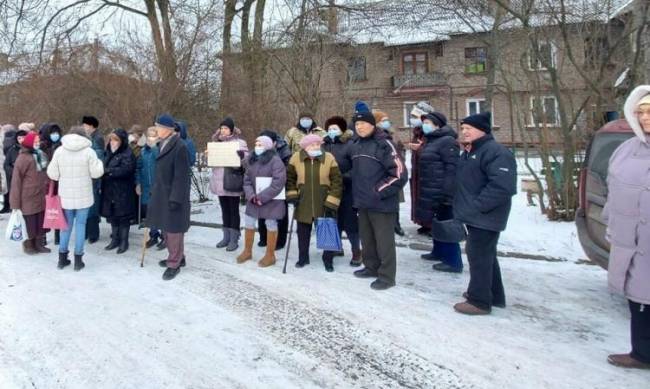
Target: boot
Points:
(124, 239)
(233, 244)
(28, 247)
(470, 309)
(39, 246)
(63, 260)
(78, 263)
(115, 237)
(247, 254)
(627, 361)
(328, 262)
(152, 242)
(269, 258)
(162, 245)
(356, 258)
(226, 238)
(57, 237)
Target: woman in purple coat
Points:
(265, 179)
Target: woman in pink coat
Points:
(627, 213)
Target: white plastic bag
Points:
(16, 230)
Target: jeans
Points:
(76, 218)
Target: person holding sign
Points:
(314, 186)
(264, 183)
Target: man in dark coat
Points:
(91, 124)
(487, 180)
(379, 174)
(169, 205)
(11, 148)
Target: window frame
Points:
(478, 100)
(414, 62)
(406, 113)
(532, 121)
(538, 65)
(351, 61)
(474, 60)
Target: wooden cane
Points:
(144, 245)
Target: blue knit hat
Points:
(166, 120)
(481, 121)
(361, 106)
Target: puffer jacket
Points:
(74, 165)
(216, 179)
(4, 188)
(118, 182)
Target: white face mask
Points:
(132, 138)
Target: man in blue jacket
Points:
(487, 180)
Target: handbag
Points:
(233, 179)
(327, 234)
(451, 230)
(16, 229)
(54, 218)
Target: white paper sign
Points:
(223, 154)
(262, 183)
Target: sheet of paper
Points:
(223, 154)
(262, 183)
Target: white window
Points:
(544, 111)
(408, 107)
(475, 106)
(546, 56)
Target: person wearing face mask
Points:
(144, 174)
(12, 144)
(265, 163)
(50, 136)
(306, 125)
(229, 198)
(337, 141)
(137, 140)
(314, 187)
(437, 185)
(118, 189)
(28, 188)
(8, 141)
(417, 141)
(91, 126)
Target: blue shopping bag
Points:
(327, 234)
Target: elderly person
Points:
(626, 213)
(91, 126)
(306, 125)
(314, 186)
(145, 172)
(4, 185)
(74, 166)
(11, 148)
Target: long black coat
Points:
(118, 182)
(487, 180)
(437, 173)
(171, 185)
(11, 149)
(347, 216)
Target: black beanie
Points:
(480, 120)
(228, 122)
(364, 116)
(436, 117)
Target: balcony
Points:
(417, 81)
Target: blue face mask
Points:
(416, 122)
(385, 125)
(306, 123)
(428, 128)
(259, 151)
(54, 137)
(333, 133)
(315, 153)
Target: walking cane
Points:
(290, 232)
(144, 245)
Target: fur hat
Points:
(27, 127)
(336, 120)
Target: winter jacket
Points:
(295, 134)
(145, 171)
(74, 165)
(486, 182)
(283, 150)
(216, 180)
(169, 205)
(416, 136)
(28, 185)
(98, 145)
(118, 182)
(270, 165)
(627, 211)
(338, 146)
(437, 173)
(378, 173)
(315, 183)
(11, 149)
(4, 188)
(189, 143)
(47, 146)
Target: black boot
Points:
(115, 237)
(63, 260)
(328, 261)
(124, 239)
(78, 263)
(162, 244)
(152, 242)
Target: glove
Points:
(174, 206)
(138, 190)
(241, 154)
(330, 213)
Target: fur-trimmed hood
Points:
(630, 106)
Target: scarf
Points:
(40, 158)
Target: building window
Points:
(357, 69)
(414, 63)
(596, 51)
(475, 106)
(438, 50)
(475, 60)
(544, 111)
(545, 57)
(408, 107)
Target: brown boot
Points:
(356, 258)
(469, 309)
(627, 361)
(269, 257)
(39, 245)
(247, 254)
(28, 247)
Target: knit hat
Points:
(27, 127)
(309, 139)
(436, 117)
(361, 106)
(266, 142)
(270, 133)
(480, 121)
(379, 115)
(29, 139)
(644, 100)
(166, 120)
(336, 120)
(90, 120)
(367, 117)
(228, 122)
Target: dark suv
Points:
(593, 189)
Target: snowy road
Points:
(220, 325)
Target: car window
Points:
(602, 149)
